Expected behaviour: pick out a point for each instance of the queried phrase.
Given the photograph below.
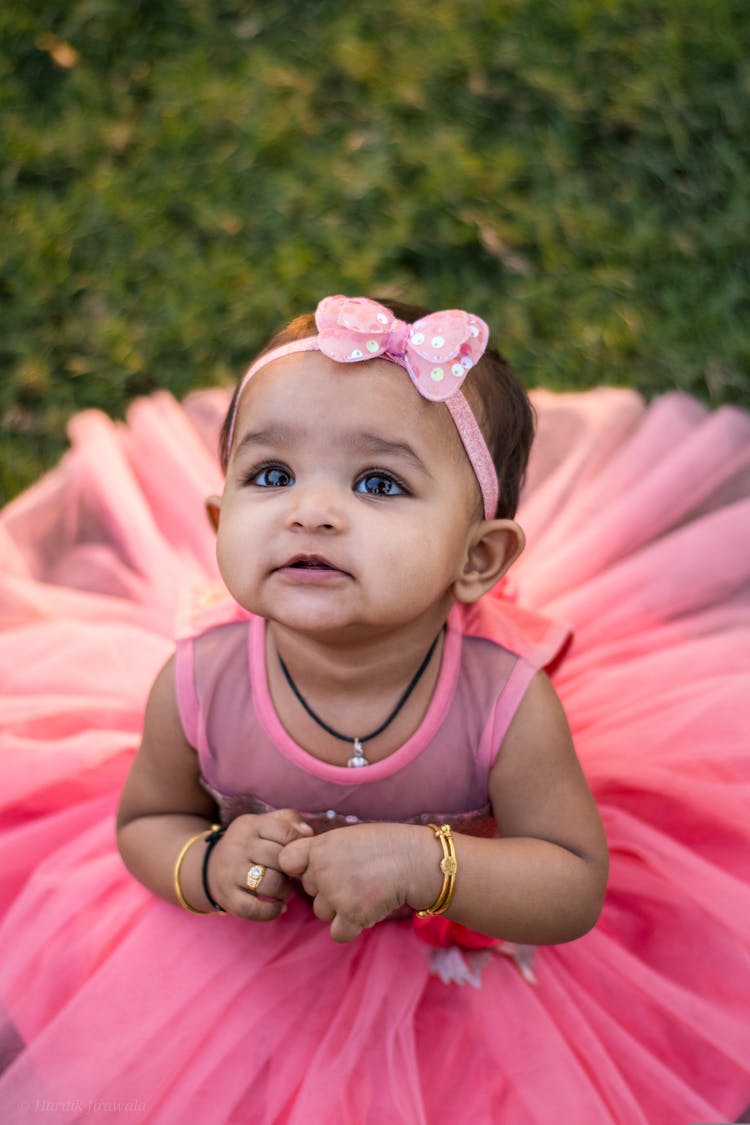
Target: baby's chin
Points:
(309, 613)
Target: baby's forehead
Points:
(310, 384)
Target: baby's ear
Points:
(493, 548)
(213, 511)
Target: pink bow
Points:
(437, 350)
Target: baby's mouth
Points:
(310, 562)
(314, 563)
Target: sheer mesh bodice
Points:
(250, 763)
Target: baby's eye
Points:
(271, 476)
(379, 484)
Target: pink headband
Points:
(437, 352)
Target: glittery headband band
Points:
(437, 351)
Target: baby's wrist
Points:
(425, 876)
(189, 877)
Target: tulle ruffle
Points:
(117, 1004)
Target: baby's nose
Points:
(317, 507)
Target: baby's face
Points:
(349, 499)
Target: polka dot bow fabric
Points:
(437, 351)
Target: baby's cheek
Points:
(225, 557)
(421, 561)
(237, 559)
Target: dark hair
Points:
(496, 395)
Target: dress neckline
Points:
(437, 709)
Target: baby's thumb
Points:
(294, 858)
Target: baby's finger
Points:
(234, 872)
(323, 909)
(282, 826)
(255, 909)
(265, 882)
(259, 893)
(294, 857)
(344, 929)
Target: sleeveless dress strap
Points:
(187, 699)
(199, 608)
(499, 618)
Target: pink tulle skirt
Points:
(114, 1004)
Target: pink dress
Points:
(118, 1005)
(249, 763)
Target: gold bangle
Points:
(449, 868)
(178, 868)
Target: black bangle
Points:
(211, 841)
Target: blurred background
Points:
(179, 177)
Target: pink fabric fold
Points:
(638, 522)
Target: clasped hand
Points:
(356, 876)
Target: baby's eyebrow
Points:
(364, 442)
(270, 435)
(376, 443)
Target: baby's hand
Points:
(250, 841)
(356, 876)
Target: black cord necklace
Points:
(358, 757)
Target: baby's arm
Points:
(543, 882)
(163, 804)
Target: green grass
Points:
(179, 178)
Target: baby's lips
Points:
(311, 562)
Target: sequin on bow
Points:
(437, 351)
